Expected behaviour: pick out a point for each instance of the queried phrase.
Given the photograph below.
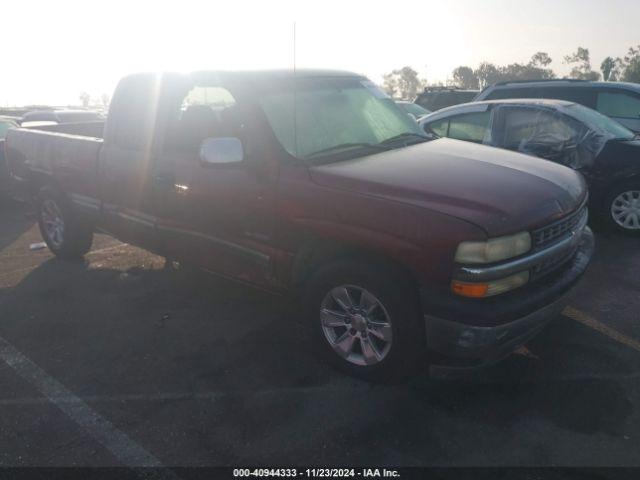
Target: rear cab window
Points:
(133, 112)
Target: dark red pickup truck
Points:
(316, 183)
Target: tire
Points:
(621, 209)
(385, 344)
(66, 235)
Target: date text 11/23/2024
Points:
(316, 472)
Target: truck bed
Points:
(85, 129)
(66, 154)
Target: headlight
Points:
(494, 249)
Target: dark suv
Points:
(618, 100)
(435, 98)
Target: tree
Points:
(403, 83)
(581, 65)
(535, 69)
(465, 77)
(85, 98)
(487, 74)
(105, 99)
(390, 84)
(540, 60)
(611, 69)
(631, 65)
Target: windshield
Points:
(600, 122)
(334, 112)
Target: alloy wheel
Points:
(53, 222)
(356, 325)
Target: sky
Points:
(54, 50)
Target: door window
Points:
(542, 133)
(203, 112)
(524, 125)
(471, 127)
(618, 104)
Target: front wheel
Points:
(622, 209)
(366, 321)
(66, 235)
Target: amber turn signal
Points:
(470, 289)
(493, 287)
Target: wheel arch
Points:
(39, 180)
(315, 252)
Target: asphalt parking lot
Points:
(117, 361)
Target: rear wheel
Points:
(66, 235)
(365, 320)
(622, 209)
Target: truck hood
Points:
(500, 191)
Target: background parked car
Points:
(5, 125)
(435, 98)
(618, 100)
(604, 151)
(413, 109)
(53, 117)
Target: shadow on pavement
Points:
(105, 331)
(14, 221)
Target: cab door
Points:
(125, 159)
(219, 216)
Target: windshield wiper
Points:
(343, 146)
(403, 136)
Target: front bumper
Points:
(478, 332)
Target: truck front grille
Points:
(545, 236)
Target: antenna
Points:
(295, 94)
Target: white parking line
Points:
(168, 396)
(117, 442)
(150, 397)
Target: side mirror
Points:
(214, 151)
